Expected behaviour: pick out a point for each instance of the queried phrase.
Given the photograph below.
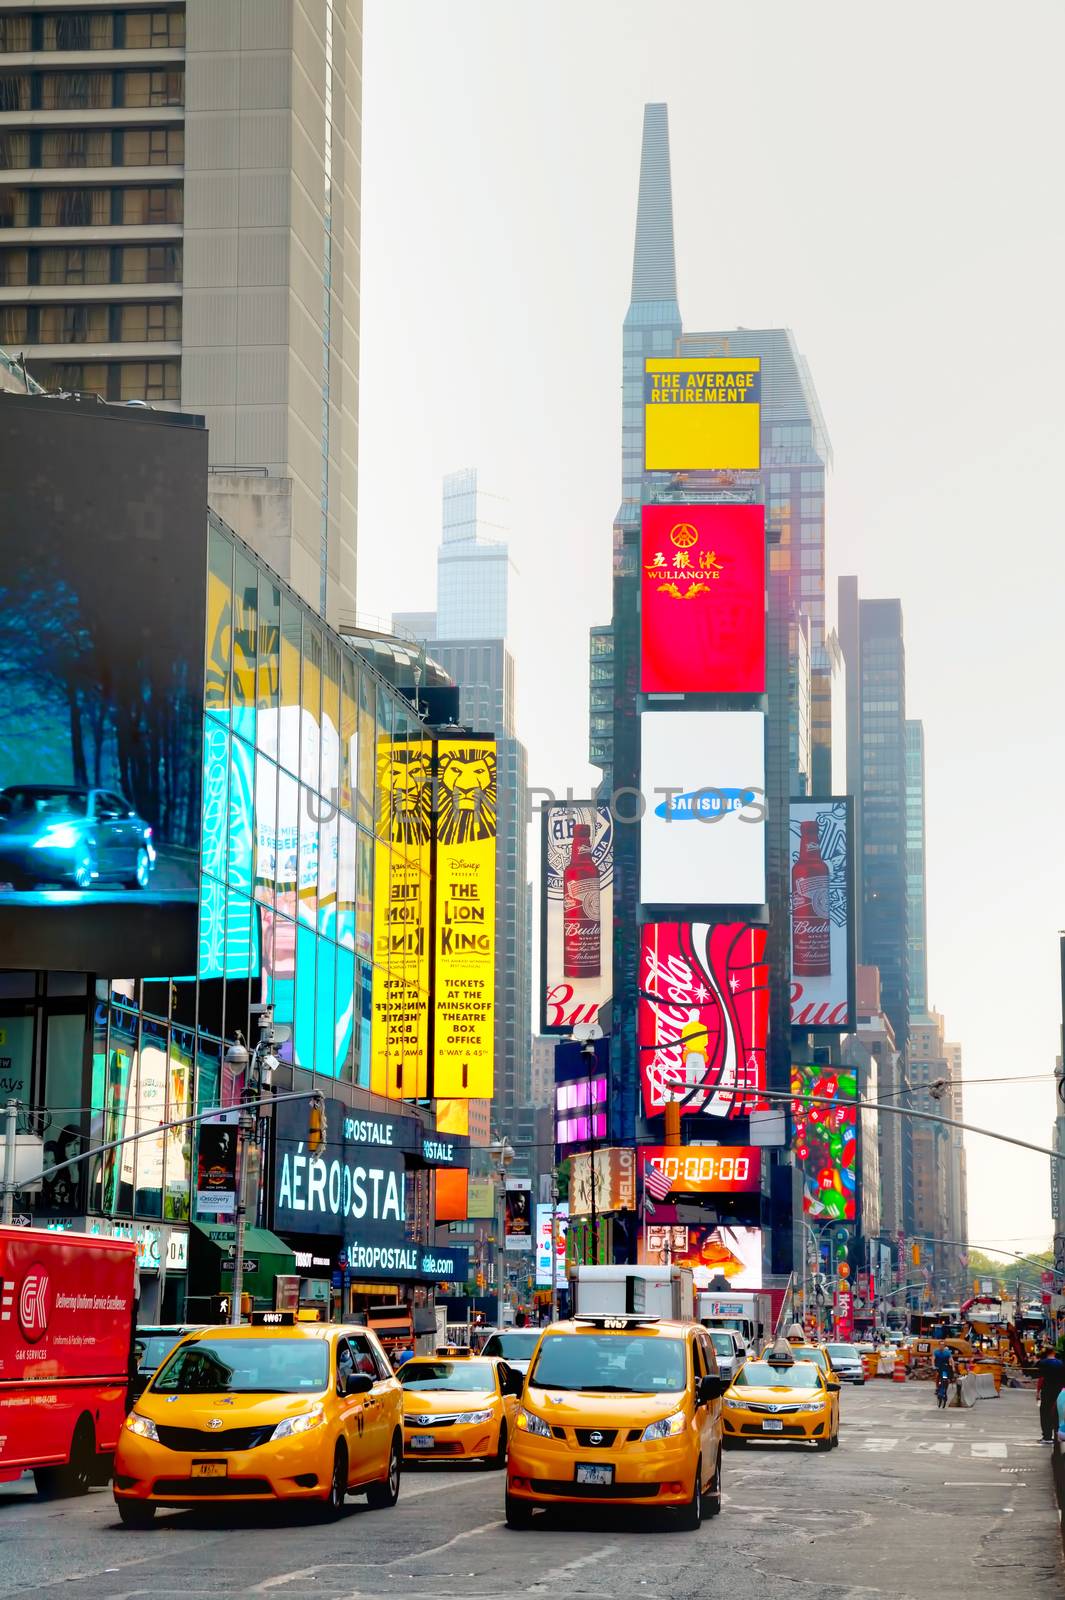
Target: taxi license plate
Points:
(422, 1441)
(594, 1472)
(210, 1469)
(772, 1425)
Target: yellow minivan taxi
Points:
(782, 1400)
(618, 1410)
(278, 1410)
(458, 1406)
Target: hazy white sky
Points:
(884, 181)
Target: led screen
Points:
(102, 601)
(464, 928)
(399, 1050)
(735, 1253)
(705, 1169)
(577, 921)
(702, 832)
(543, 1244)
(702, 414)
(702, 599)
(821, 894)
(826, 1140)
(703, 1016)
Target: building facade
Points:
(916, 886)
(181, 228)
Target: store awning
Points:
(265, 1256)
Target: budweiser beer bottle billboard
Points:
(581, 924)
(811, 953)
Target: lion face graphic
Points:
(466, 795)
(404, 795)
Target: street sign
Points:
(251, 1264)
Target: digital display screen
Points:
(826, 1140)
(706, 1169)
(580, 1111)
(820, 892)
(577, 924)
(702, 413)
(702, 599)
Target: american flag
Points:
(655, 1182)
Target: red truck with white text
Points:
(67, 1311)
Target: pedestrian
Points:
(1049, 1383)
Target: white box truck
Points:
(750, 1314)
(667, 1292)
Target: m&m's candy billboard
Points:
(826, 1140)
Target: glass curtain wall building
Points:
(916, 889)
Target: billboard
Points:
(702, 599)
(735, 1252)
(826, 1140)
(702, 414)
(517, 1213)
(543, 1244)
(354, 1188)
(103, 609)
(703, 1017)
(216, 1164)
(821, 893)
(702, 831)
(576, 913)
(613, 1173)
(399, 1051)
(704, 1168)
(464, 928)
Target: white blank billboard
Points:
(702, 834)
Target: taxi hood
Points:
(232, 1410)
(773, 1392)
(445, 1402)
(575, 1407)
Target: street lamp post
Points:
(502, 1152)
(259, 1068)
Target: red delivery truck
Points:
(67, 1311)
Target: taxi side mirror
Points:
(354, 1383)
(833, 1385)
(710, 1387)
(512, 1382)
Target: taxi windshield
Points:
(447, 1376)
(610, 1363)
(760, 1375)
(808, 1353)
(153, 1347)
(512, 1346)
(245, 1366)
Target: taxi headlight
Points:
(144, 1426)
(529, 1422)
(817, 1404)
(474, 1416)
(666, 1427)
(290, 1425)
(734, 1404)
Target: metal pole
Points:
(500, 1255)
(238, 1254)
(10, 1135)
(554, 1247)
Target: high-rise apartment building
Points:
(916, 888)
(180, 216)
(473, 579)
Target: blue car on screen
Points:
(72, 836)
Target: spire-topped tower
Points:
(652, 324)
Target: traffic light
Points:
(317, 1128)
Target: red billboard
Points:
(703, 1017)
(704, 1168)
(702, 599)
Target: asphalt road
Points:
(918, 1503)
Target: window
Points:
(14, 268)
(15, 34)
(150, 380)
(150, 264)
(811, 558)
(811, 507)
(141, 323)
(155, 30)
(75, 266)
(153, 147)
(76, 91)
(77, 148)
(14, 91)
(162, 204)
(86, 378)
(14, 208)
(79, 30)
(13, 324)
(154, 89)
(85, 324)
(14, 150)
(75, 208)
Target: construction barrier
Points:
(975, 1386)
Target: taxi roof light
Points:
(273, 1319)
(616, 1319)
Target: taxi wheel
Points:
(380, 1496)
(690, 1516)
(835, 1440)
(338, 1485)
(518, 1513)
(712, 1496)
(823, 1444)
(132, 1514)
(499, 1460)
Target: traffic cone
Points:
(898, 1374)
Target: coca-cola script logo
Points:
(703, 1017)
(34, 1304)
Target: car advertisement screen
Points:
(703, 1017)
(702, 600)
(825, 1118)
(702, 831)
(822, 932)
(736, 1253)
(702, 414)
(577, 914)
(102, 602)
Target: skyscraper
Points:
(181, 227)
(916, 894)
(473, 565)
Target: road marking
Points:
(880, 1444)
(982, 1483)
(546, 1578)
(923, 1448)
(412, 1556)
(991, 1448)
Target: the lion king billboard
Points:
(399, 1062)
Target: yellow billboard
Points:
(399, 1051)
(464, 930)
(702, 414)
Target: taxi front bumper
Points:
(298, 1468)
(784, 1425)
(658, 1471)
(459, 1440)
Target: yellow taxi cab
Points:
(458, 1406)
(782, 1397)
(278, 1410)
(618, 1410)
(817, 1353)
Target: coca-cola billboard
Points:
(577, 913)
(822, 922)
(703, 1017)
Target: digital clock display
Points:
(706, 1169)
